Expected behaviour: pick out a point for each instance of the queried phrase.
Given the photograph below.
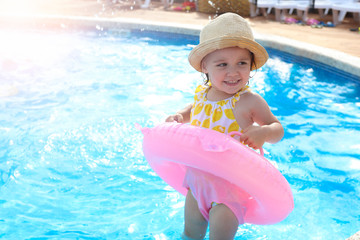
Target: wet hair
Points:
(252, 63)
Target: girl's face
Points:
(228, 70)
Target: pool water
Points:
(71, 161)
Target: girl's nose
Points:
(232, 70)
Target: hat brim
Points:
(200, 51)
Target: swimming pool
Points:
(71, 164)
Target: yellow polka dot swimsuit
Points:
(216, 115)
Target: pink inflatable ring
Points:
(171, 147)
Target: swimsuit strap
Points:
(236, 97)
(201, 91)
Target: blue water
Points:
(71, 163)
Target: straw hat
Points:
(227, 30)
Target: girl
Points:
(226, 54)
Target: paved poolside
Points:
(337, 46)
(339, 38)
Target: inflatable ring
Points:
(171, 147)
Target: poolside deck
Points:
(339, 38)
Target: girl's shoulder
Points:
(251, 99)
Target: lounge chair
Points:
(146, 4)
(340, 10)
(324, 6)
(265, 6)
(284, 7)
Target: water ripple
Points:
(71, 161)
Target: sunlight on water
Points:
(71, 162)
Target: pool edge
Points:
(333, 58)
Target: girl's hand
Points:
(254, 136)
(175, 118)
(182, 116)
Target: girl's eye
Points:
(222, 65)
(242, 63)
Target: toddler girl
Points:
(226, 54)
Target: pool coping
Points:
(333, 58)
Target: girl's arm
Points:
(268, 128)
(255, 136)
(182, 116)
